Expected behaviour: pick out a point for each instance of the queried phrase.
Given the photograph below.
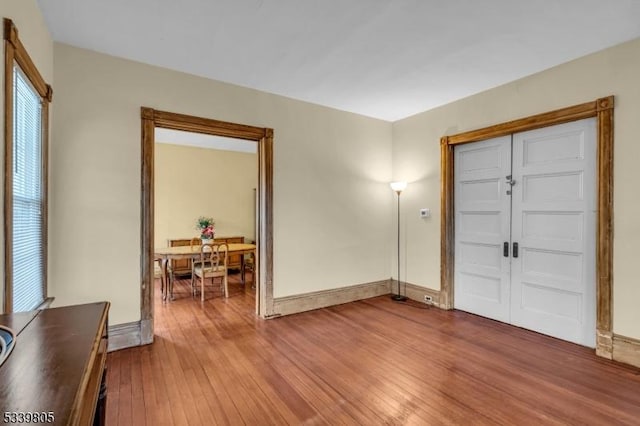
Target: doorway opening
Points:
(201, 178)
(263, 267)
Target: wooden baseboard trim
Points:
(321, 299)
(417, 293)
(146, 331)
(626, 350)
(604, 344)
(122, 336)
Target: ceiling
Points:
(201, 140)
(387, 59)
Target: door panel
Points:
(551, 149)
(553, 221)
(480, 288)
(557, 226)
(482, 210)
(552, 187)
(553, 266)
(566, 304)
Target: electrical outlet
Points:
(428, 299)
(424, 213)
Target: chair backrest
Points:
(213, 255)
(195, 242)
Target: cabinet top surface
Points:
(51, 353)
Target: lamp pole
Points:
(398, 187)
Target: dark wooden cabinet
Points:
(57, 369)
(183, 266)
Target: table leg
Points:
(242, 269)
(252, 255)
(159, 260)
(171, 288)
(165, 277)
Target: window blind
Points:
(28, 250)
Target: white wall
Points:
(191, 182)
(36, 39)
(416, 158)
(332, 203)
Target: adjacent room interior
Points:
(196, 172)
(293, 213)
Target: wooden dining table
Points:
(164, 254)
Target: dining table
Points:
(164, 254)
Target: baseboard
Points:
(626, 350)
(417, 293)
(146, 331)
(321, 299)
(124, 336)
(604, 344)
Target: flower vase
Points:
(206, 241)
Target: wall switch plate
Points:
(425, 213)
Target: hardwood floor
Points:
(364, 363)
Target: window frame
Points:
(16, 54)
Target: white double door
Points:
(525, 223)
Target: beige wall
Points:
(192, 182)
(332, 203)
(35, 36)
(416, 157)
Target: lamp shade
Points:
(398, 186)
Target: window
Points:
(26, 146)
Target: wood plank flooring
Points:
(371, 362)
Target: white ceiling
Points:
(200, 140)
(382, 58)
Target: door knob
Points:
(510, 181)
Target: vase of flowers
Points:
(207, 229)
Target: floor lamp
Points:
(398, 187)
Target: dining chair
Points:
(195, 241)
(179, 266)
(211, 263)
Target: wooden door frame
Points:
(602, 109)
(152, 119)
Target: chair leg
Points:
(202, 288)
(226, 286)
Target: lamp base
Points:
(398, 298)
